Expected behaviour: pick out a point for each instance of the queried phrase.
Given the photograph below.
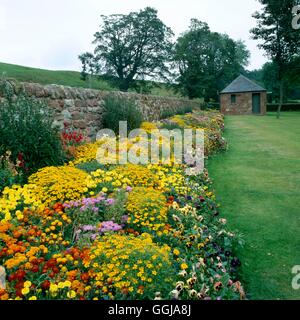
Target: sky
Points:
(50, 34)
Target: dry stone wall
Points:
(83, 108)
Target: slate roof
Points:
(243, 84)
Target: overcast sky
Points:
(51, 34)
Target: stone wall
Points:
(243, 103)
(83, 108)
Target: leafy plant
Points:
(117, 110)
(26, 130)
(90, 166)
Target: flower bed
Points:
(85, 231)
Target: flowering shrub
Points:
(211, 121)
(26, 130)
(71, 139)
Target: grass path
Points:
(258, 185)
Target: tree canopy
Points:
(207, 61)
(280, 40)
(129, 47)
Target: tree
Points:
(280, 41)
(89, 67)
(133, 46)
(207, 61)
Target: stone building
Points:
(243, 96)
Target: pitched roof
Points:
(243, 84)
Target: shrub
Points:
(26, 130)
(6, 178)
(117, 110)
(9, 174)
(181, 111)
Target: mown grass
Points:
(258, 185)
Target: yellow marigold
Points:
(147, 209)
(116, 257)
(60, 184)
(137, 175)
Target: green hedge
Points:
(272, 107)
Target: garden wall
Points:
(83, 108)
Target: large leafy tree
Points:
(207, 61)
(280, 40)
(129, 47)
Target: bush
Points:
(6, 178)
(272, 107)
(26, 130)
(117, 110)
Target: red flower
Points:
(46, 285)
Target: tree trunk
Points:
(280, 99)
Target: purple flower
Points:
(124, 219)
(88, 228)
(94, 236)
(109, 226)
(128, 189)
(110, 202)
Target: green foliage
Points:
(6, 178)
(279, 40)
(272, 107)
(90, 166)
(207, 61)
(170, 126)
(117, 110)
(131, 47)
(181, 111)
(26, 130)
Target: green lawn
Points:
(258, 186)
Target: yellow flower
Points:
(176, 252)
(27, 284)
(71, 294)
(25, 291)
(33, 298)
(104, 190)
(184, 266)
(53, 288)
